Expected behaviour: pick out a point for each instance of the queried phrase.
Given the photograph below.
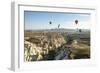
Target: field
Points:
(56, 44)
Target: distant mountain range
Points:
(58, 30)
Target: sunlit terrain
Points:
(56, 44)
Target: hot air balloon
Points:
(58, 25)
(76, 22)
(50, 22)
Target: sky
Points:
(40, 20)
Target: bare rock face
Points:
(39, 45)
(55, 46)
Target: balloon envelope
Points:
(58, 25)
(76, 21)
(50, 22)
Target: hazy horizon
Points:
(56, 28)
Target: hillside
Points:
(53, 45)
